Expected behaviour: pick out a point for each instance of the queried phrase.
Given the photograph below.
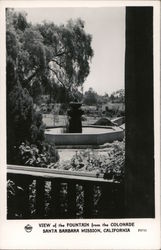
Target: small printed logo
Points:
(28, 228)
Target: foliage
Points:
(10, 189)
(13, 191)
(47, 54)
(37, 129)
(90, 97)
(26, 67)
(111, 163)
(118, 96)
(116, 166)
(104, 122)
(23, 123)
(40, 57)
(31, 155)
(20, 112)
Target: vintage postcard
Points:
(80, 124)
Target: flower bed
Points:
(110, 162)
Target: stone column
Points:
(139, 179)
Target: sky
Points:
(107, 27)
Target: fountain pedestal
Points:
(74, 113)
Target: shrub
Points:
(37, 129)
(116, 167)
(104, 122)
(32, 155)
(25, 128)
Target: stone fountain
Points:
(81, 136)
(74, 113)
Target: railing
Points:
(48, 193)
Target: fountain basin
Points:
(91, 135)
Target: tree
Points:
(68, 52)
(40, 57)
(23, 123)
(90, 97)
(61, 53)
(118, 96)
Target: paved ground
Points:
(66, 154)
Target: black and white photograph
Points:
(65, 112)
(80, 116)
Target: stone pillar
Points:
(139, 179)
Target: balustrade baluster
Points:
(55, 199)
(20, 206)
(88, 200)
(72, 199)
(40, 198)
(25, 200)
